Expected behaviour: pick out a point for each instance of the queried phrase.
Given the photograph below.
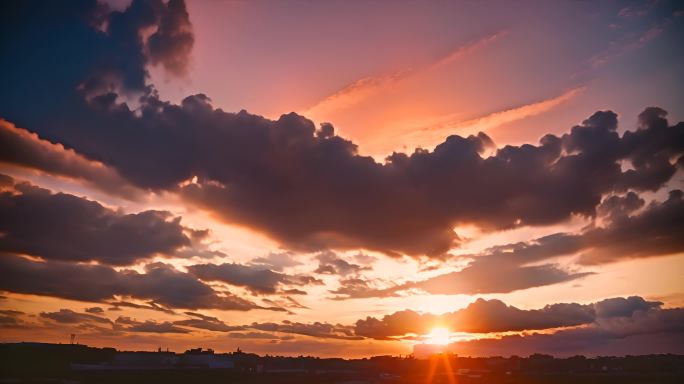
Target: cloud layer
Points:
(161, 283)
(60, 226)
(490, 316)
(305, 187)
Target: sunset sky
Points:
(343, 178)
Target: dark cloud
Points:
(294, 291)
(111, 46)
(23, 148)
(624, 307)
(161, 283)
(171, 44)
(149, 305)
(94, 310)
(488, 276)
(277, 261)
(330, 263)
(209, 323)
(644, 332)
(60, 226)
(307, 188)
(628, 231)
(10, 318)
(486, 316)
(6, 181)
(67, 316)
(655, 231)
(131, 325)
(369, 206)
(316, 329)
(254, 278)
(495, 316)
(484, 275)
(253, 335)
(361, 288)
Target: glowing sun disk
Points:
(438, 335)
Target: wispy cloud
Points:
(616, 51)
(366, 87)
(432, 130)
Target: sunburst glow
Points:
(438, 335)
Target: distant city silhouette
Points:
(77, 363)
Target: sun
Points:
(438, 335)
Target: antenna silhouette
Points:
(73, 338)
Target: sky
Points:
(343, 179)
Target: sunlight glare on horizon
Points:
(438, 335)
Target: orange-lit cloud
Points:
(431, 131)
(19, 147)
(366, 87)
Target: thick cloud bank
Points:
(60, 226)
(305, 187)
(487, 316)
(161, 283)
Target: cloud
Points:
(285, 302)
(307, 188)
(277, 261)
(361, 203)
(485, 276)
(491, 316)
(172, 43)
(253, 335)
(441, 126)
(254, 278)
(151, 305)
(23, 148)
(624, 307)
(627, 232)
(330, 263)
(10, 318)
(60, 226)
(209, 323)
(67, 316)
(112, 51)
(366, 87)
(360, 288)
(316, 329)
(650, 331)
(150, 326)
(161, 283)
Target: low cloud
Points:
(329, 263)
(277, 261)
(131, 325)
(22, 148)
(10, 318)
(623, 229)
(642, 332)
(254, 278)
(253, 335)
(490, 316)
(67, 316)
(161, 283)
(316, 329)
(61, 226)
